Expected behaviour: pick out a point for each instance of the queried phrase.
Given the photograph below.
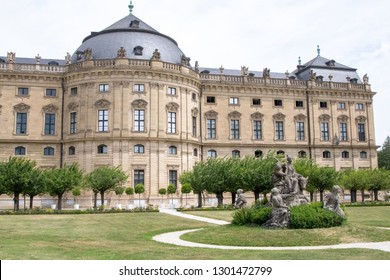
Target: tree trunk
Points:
(31, 202)
(257, 195)
(353, 196)
(233, 197)
(321, 195)
(102, 199)
(220, 199)
(376, 195)
(311, 196)
(60, 201)
(16, 201)
(200, 204)
(362, 191)
(95, 194)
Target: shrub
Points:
(260, 215)
(242, 216)
(313, 216)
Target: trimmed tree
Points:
(17, 175)
(171, 190)
(104, 179)
(139, 189)
(162, 192)
(62, 180)
(129, 191)
(186, 189)
(119, 190)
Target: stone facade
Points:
(156, 119)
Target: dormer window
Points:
(330, 63)
(251, 75)
(320, 79)
(138, 50)
(134, 24)
(2, 60)
(353, 81)
(53, 63)
(205, 72)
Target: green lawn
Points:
(128, 236)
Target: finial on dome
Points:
(318, 50)
(131, 7)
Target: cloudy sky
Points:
(232, 33)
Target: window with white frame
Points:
(139, 88)
(233, 101)
(324, 131)
(235, 129)
(139, 149)
(300, 126)
(279, 130)
(50, 124)
(257, 130)
(73, 123)
(139, 120)
(172, 122)
(211, 128)
(103, 120)
(343, 132)
(171, 91)
(104, 88)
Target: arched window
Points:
(345, 154)
(20, 151)
(102, 149)
(258, 153)
(236, 154)
(138, 50)
(139, 149)
(212, 154)
(363, 155)
(48, 151)
(72, 151)
(280, 152)
(326, 154)
(172, 150)
(302, 154)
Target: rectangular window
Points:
(341, 106)
(139, 177)
(194, 97)
(256, 102)
(73, 91)
(325, 131)
(361, 132)
(359, 106)
(235, 129)
(52, 92)
(300, 131)
(171, 122)
(211, 129)
(73, 123)
(343, 132)
(323, 104)
(278, 103)
(139, 88)
(139, 120)
(50, 124)
(233, 101)
(299, 104)
(103, 121)
(257, 130)
(104, 87)
(194, 127)
(173, 177)
(23, 91)
(21, 123)
(210, 99)
(171, 91)
(279, 130)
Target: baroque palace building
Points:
(129, 97)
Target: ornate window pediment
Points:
(73, 106)
(173, 107)
(50, 108)
(279, 117)
(211, 114)
(139, 103)
(342, 118)
(324, 118)
(235, 115)
(300, 117)
(361, 119)
(257, 116)
(102, 103)
(22, 107)
(195, 112)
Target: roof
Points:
(233, 72)
(26, 60)
(130, 33)
(329, 69)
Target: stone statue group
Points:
(287, 192)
